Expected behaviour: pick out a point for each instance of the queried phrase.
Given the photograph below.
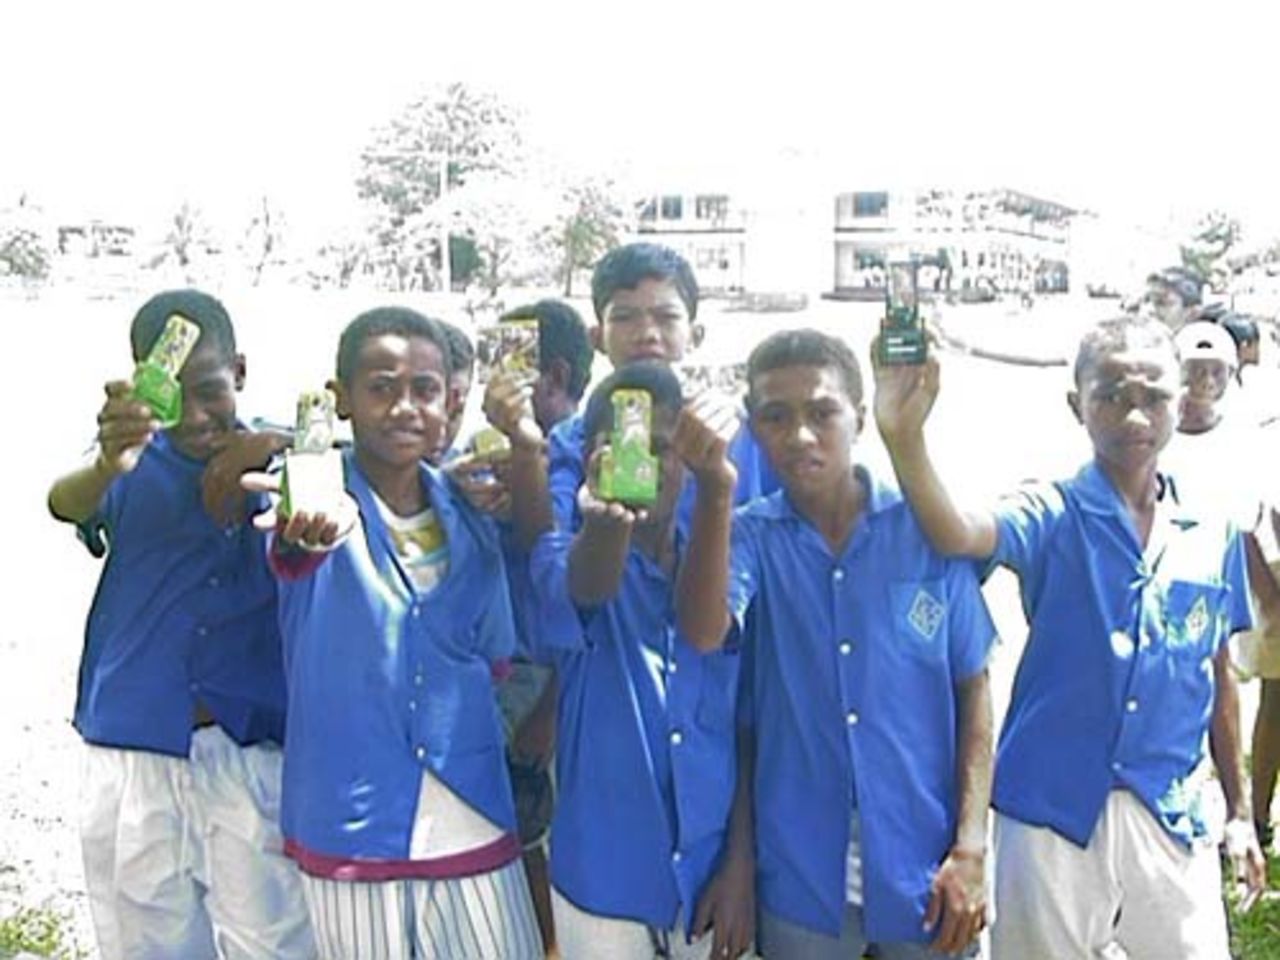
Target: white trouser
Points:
(465, 918)
(1133, 892)
(184, 858)
(588, 936)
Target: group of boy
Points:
(772, 718)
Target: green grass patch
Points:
(1256, 934)
(37, 931)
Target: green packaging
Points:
(155, 379)
(628, 468)
(902, 336)
(312, 480)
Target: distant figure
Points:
(1174, 296)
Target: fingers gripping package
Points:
(155, 379)
(312, 479)
(902, 336)
(628, 468)
(508, 347)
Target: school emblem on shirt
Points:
(1197, 621)
(926, 614)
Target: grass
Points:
(1256, 935)
(37, 931)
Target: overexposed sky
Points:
(112, 108)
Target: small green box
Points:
(628, 468)
(155, 379)
(312, 480)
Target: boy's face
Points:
(1204, 380)
(1167, 305)
(396, 400)
(807, 423)
(1126, 402)
(647, 322)
(459, 388)
(210, 380)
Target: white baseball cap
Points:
(1205, 340)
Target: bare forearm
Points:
(530, 496)
(1224, 739)
(951, 531)
(76, 496)
(742, 829)
(973, 762)
(703, 584)
(596, 561)
(1261, 581)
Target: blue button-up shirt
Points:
(855, 664)
(184, 613)
(1116, 686)
(645, 761)
(386, 682)
(567, 470)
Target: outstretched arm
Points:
(508, 403)
(125, 427)
(904, 397)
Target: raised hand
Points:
(234, 455)
(309, 531)
(703, 432)
(904, 395)
(508, 405)
(125, 427)
(483, 483)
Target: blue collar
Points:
(880, 497)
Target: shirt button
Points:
(671, 668)
(1131, 706)
(413, 705)
(202, 631)
(837, 575)
(1117, 766)
(851, 718)
(417, 611)
(846, 648)
(677, 856)
(420, 753)
(214, 581)
(677, 738)
(417, 679)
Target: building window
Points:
(711, 207)
(672, 208)
(649, 211)
(870, 204)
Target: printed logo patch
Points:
(1197, 620)
(926, 614)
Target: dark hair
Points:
(804, 348)
(653, 376)
(1117, 333)
(1243, 329)
(1187, 285)
(461, 351)
(624, 267)
(381, 321)
(561, 336)
(200, 308)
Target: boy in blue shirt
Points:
(645, 742)
(645, 298)
(394, 608)
(869, 698)
(181, 694)
(1131, 597)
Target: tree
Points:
(1205, 254)
(589, 225)
(187, 239)
(24, 251)
(438, 143)
(263, 239)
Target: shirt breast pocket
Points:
(919, 611)
(1194, 619)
